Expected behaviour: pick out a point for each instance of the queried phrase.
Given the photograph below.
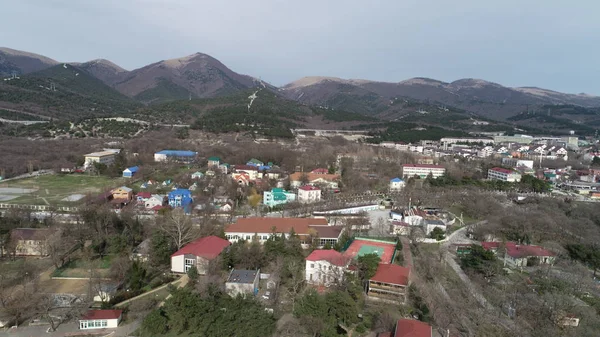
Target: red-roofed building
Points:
(502, 174)
(320, 171)
(309, 194)
(516, 255)
(390, 282)
(198, 253)
(100, 319)
(412, 328)
(326, 266)
(143, 196)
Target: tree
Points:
(155, 323)
(178, 227)
(193, 274)
(437, 233)
(161, 249)
(367, 266)
(596, 161)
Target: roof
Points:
(282, 225)
(392, 274)
(518, 251)
(502, 170)
(309, 188)
(208, 247)
(412, 328)
(423, 166)
(177, 153)
(144, 195)
(320, 171)
(30, 233)
(297, 176)
(242, 276)
(328, 232)
(330, 255)
(213, 158)
(396, 180)
(180, 191)
(132, 169)
(102, 314)
(255, 161)
(124, 188)
(245, 168)
(385, 334)
(100, 154)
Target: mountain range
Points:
(202, 76)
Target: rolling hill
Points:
(19, 62)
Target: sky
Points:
(552, 44)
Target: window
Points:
(190, 262)
(312, 265)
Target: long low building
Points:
(261, 229)
(103, 157)
(175, 155)
(411, 170)
(502, 174)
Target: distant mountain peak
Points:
(107, 63)
(473, 82)
(184, 61)
(14, 52)
(422, 81)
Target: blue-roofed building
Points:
(396, 184)
(255, 162)
(176, 155)
(130, 171)
(181, 198)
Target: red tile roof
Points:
(309, 188)
(282, 225)
(208, 247)
(329, 255)
(502, 170)
(102, 314)
(144, 195)
(412, 328)
(392, 274)
(320, 171)
(423, 166)
(518, 251)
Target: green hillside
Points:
(63, 92)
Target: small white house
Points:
(326, 267)
(154, 200)
(309, 194)
(397, 184)
(197, 175)
(100, 319)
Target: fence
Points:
(40, 207)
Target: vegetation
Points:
(588, 254)
(528, 183)
(411, 132)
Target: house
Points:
(198, 253)
(325, 267)
(251, 171)
(329, 181)
(412, 328)
(197, 175)
(122, 194)
(261, 229)
(516, 255)
(242, 282)
(104, 292)
(30, 241)
(130, 171)
(214, 161)
(100, 319)
(396, 184)
(242, 178)
(103, 157)
(142, 197)
(390, 283)
(255, 162)
(180, 198)
(502, 174)
(309, 194)
(431, 224)
(141, 253)
(421, 170)
(277, 196)
(155, 200)
(175, 155)
(516, 162)
(320, 171)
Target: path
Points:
(185, 279)
(182, 280)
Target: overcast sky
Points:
(553, 44)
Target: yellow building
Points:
(104, 157)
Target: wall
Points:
(177, 264)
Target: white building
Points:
(198, 253)
(277, 196)
(410, 170)
(100, 319)
(396, 184)
(309, 194)
(516, 162)
(326, 267)
(104, 157)
(498, 173)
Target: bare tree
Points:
(178, 227)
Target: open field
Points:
(54, 189)
(80, 268)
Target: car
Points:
(267, 295)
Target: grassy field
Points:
(80, 268)
(52, 189)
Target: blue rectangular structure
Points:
(130, 171)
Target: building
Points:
(100, 319)
(198, 253)
(519, 139)
(122, 194)
(320, 170)
(155, 200)
(180, 197)
(516, 162)
(103, 157)
(255, 162)
(29, 241)
(252, 171)
(242, 282)
(130, 171)
(411, 170)
(261, 229)
(277, 196)
(214, 161)
(326, 267)
(516, 255)
(175, 155)
(308, 194)
(390, 283)
(396, 184)
(502, 174)
(197, 175)
(412, 328)
(329, 181)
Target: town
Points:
(386, 239)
